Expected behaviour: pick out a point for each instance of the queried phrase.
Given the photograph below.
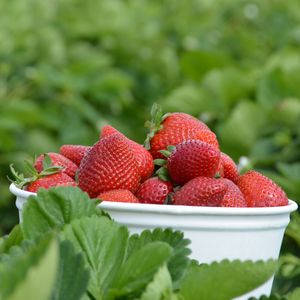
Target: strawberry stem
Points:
(20, 180)
(154, 125)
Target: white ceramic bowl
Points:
(216, 232)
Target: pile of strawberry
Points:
(180, 164)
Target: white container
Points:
(216, 232)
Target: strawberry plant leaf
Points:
(53, 208)
(25, 267)
(72, 277)
(233, 278)
(139, 269)
(160, 287)
(179, 260)
(14, 238)
(103, 245)
(295, 295)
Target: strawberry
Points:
(118, 196)
(173, 129)
(75, 153)
(48, 177)
(57, 160)
(58, 179)
(191, 159)
(261, 191)
(201, 191)
(154, 190)
(227, 168)
(142, 156)
(233, 196)
(109, 165)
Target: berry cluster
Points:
(181, 164)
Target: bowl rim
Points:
(180, 209)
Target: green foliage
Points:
(25, 265)
(224, 276)
(69, 67)
(55, 208)
(93, 257)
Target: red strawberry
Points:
(228, 168)
(109, 165)
(154, 190)
(58, 179)
(57, 160)
(233, 196)
(142, 156)
(191, 159)
(173, 129)
(74, 152)
(118, 196)
(201, 191)
(261, 191)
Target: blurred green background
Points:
(69, 66)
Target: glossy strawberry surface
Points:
(154, 190)
(58, 179)
(228, 169)
(179, 127)
(201, 191)
(109, 165)
(74, 152)
(233, 196)
(142, 156)
(118, 196)
(191, 159)
(57, 159)
(261, 191)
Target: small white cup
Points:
(216, 233)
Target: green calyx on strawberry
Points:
(154, 125)
(20, 180)
(174, 128)
(188, 160)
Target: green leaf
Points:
(195, 64)
(103, 245)
(160, 287)
(53, 208)
(14, 238)
(26, 267)
(72, 277)
(290, 171)
(294, 295)
(47, 161)
(139, 269)
(154, 124)
(163, 174)
(233, 279)
(242, 117)
(160, 162)
(179, 260)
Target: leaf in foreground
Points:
(233, 278)
(295, 295)
(53, 208)
(72, 277)
(25, 268)
(140, 268)
(14, 238)
(160, 288)
(179, 261)
(103, 243)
